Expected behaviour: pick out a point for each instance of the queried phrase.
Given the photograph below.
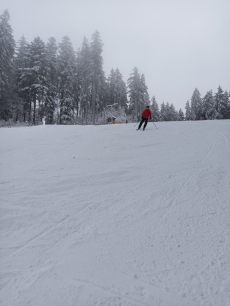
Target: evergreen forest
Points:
(51, 81)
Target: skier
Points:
(145, 116)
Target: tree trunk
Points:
(96, 106)
(86, 108)
(30, 112)
(62, 95)
(86, 113)
(77, 104)
(135, 101)
(25, 109)
(93, 102)
(34, 100)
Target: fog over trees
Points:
(65, 86)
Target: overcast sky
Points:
(177, 44)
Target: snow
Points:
(106, 215)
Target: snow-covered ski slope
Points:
(105, 215)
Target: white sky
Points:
(177, 44)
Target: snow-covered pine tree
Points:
(180, 115)
(66, 70)
(144, 96)
(111, 88)
(154, 109)
(134, 94)
(52, 80)
(38, 76)
(22, 77)
(77, 87)
(102, 101)
(116, 90)
(188, 112)
(208, 105)
(97, 75)
(116, 94)
(220, 105)
(120, 90)
(227, 98)
(167, 116)
(162, 112)
(115, 97)
(168, 112)
(196, 104)
(173, 115)
(84, 79)
(7, 48)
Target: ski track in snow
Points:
(102, 215)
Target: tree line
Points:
(53, 81)
(211, 106)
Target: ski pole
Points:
(136, 123)
(155, 124)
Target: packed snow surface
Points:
(107, 215)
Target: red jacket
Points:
(146, 113)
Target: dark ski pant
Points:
(145, 120)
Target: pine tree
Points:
(208, 105)
(7, 47)
(173, 115)
(77, 86)
(102, 95)
(227, 99)
(220, 105)
(162, 112)
(84, 78)
(97, 75)
(115, 96)
(180, 115)
(188, 112)
(66, 70)
(167, 113)
(120, 89)
(52, 80)
(22, 65)
(38, 76)
(144, 96)
(196, 104)
(116, 90)
(154, 109)
(111, 88)
(135, 99)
